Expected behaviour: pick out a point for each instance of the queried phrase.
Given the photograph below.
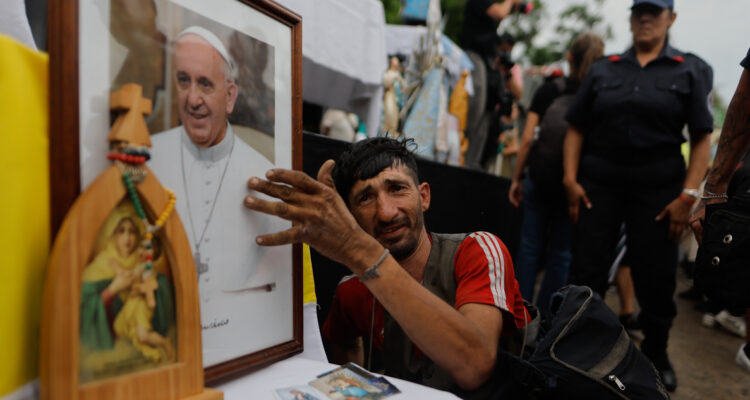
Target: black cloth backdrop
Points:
(463, 200)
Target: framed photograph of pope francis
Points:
(224, 81)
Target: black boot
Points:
(661, 362)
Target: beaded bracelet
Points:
(372, 272)
(709, 196)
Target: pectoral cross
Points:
(200, 266)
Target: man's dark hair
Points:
(367, 158)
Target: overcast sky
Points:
(717, 31)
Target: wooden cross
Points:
(130, 126)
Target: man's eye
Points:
(364, 197)
(183, 80)
(205, 83)
(398, 188)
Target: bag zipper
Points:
(617, 382)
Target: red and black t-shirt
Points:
(483, 272)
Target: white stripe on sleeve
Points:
(500, 272)
(492, 265)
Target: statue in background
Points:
(393, 83)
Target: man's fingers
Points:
(277, 208)
(661, 215)
(297, 179)
(283, 192)
(325, 173)
(291, 235)
(586, 201)
(697, 230)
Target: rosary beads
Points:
(133, 158)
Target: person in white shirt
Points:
(207, 166)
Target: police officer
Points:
(622, 162)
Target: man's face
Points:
(650, 23)
(205, 96)
(389, 207)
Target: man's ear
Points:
(424, 194)
(232, 92)
(673, 17)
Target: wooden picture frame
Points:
(74, 160)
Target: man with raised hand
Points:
(434, 304)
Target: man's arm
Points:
(735, 137)
(733, 143)
(498, 11)
(463, 342)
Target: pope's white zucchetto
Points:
(212, 40)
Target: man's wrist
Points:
(363, 253)
(687, 198)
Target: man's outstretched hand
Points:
(318, 214)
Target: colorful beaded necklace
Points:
(131, 159)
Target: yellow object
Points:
(459, 102)
(24, 208)
(308, 283)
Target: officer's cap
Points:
(659, 3)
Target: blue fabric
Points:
(422, 122)
(545, 234)
(415, 10)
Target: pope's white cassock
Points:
(234, 273)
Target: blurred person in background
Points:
(546, 230)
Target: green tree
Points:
(392, 11)
(572, 21)
(453, 12)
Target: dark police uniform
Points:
(632, 120)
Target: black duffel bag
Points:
(722, 266)
(582, 352)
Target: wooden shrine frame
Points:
(65, 187)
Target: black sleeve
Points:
(746, 61)
(701, 118)
(580, 110)
(543, 98)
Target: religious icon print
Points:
(127, 301)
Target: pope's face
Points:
(205, 96)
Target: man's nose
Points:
(386, 208)
(194, 97)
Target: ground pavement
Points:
(703, 358)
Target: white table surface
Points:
(300, 371)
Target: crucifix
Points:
(200, 266)
(130, 126)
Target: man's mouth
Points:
(391, 231)
(196, 115)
